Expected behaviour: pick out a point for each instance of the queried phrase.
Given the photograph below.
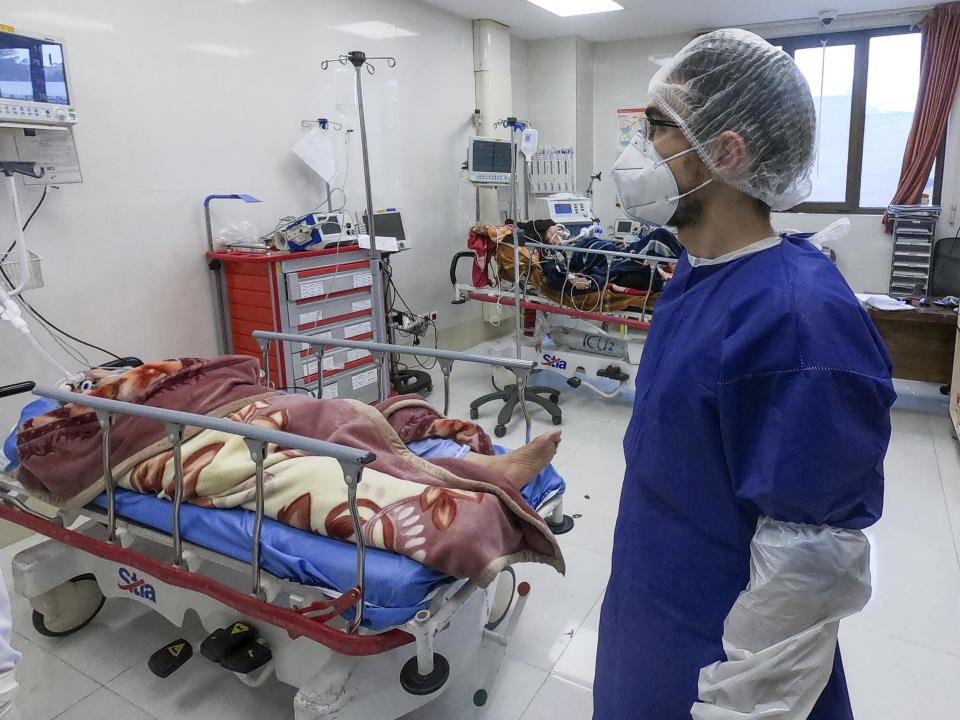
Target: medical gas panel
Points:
(333, 293)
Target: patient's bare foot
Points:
(523, 464)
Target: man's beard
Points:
(689, 210)
(688, 213)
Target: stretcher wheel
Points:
(500, 430)
(77, 602)
(474, 413)
(416, 684)
(564, 526)
(502, 599)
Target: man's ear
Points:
(730, 156)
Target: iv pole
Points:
(359, 60)
(515, 125)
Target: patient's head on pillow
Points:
(557, 235)
(125, 385)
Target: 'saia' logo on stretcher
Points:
(136, 586)
(554, 361)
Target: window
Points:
(864, 86)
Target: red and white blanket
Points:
(451, 515)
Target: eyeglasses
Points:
(649, 125)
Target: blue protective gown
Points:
(763, 389)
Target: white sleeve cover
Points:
(781, 634)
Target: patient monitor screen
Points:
(32, 69)
(491, 157)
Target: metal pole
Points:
(445, 367)
(175, 435)
(258, 451)
(225, 344)
(516, 229)
(358, 59)
(351, 476)
(105, 419)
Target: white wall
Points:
(552, 89)
(585, 135)
(163, 125)
(519, 76)
(622, 73)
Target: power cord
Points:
(32, 310)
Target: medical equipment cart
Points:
(334, 293)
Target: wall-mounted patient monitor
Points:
(34, 83)
(488, 161)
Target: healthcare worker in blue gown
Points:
(754, 457)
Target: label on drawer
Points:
(324, 336)
(361, 280)
(332, 363)
(356, 354)
(358, 329)
(362, 305)
(363, 379)
(309, 318)
(309, 288)
(331, 392)
(310, 367)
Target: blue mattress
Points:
(396, 586)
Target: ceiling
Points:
(646, 18)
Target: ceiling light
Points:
(566, 8)
(374, 30)
(221, 50)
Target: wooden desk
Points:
(920, 341)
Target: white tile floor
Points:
(902, 653)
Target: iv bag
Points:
(529, 142)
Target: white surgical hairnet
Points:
(735, 80)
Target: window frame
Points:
(860, 39)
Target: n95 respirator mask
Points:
(645, 184)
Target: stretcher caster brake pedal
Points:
(247, 658)
(170, 658)
(223, 642)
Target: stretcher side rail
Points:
(445, 358)
(351, 460)
(597, 251)
(463, 292)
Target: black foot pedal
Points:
(614, 373)
(170, 658)
(224, 641)
(246, 659)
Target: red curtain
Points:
(939, 73)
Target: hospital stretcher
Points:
(625, 308)
(362, 633)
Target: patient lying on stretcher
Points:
(462, 515)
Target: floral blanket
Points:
(451, 515)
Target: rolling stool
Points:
(510, 396)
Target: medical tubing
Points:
(46, 355)
(18, 238)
